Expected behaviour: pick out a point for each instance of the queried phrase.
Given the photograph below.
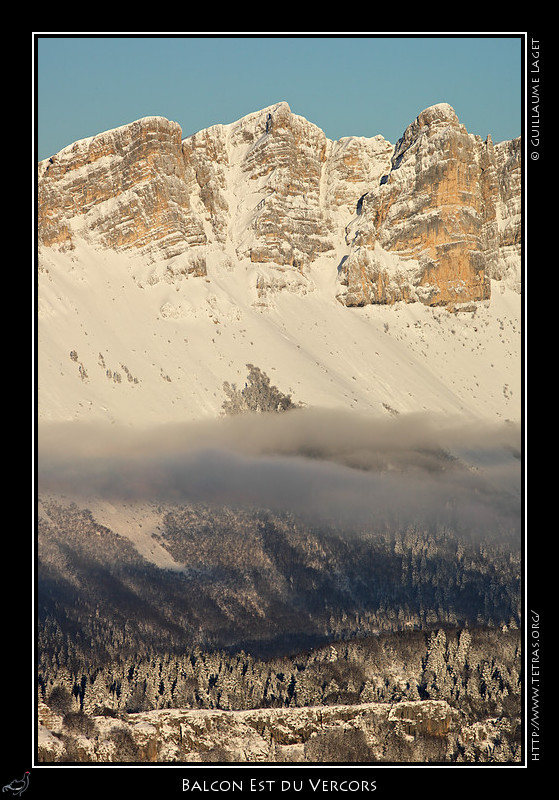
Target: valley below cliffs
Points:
(197, 633)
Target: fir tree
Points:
(258, 395)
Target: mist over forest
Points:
(328, 465)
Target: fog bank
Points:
(332, 466)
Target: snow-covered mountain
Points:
(356, 274)
(378, 286)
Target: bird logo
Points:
(17, 787)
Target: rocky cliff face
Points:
(431, 219)
(429, 230)
(410, 732)
(508, 162)
(129, 188)
(368, 732)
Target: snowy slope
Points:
(112, 349)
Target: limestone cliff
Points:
(429, 231)
(508, 157)
(367, 732)
(432, 219)
(127, 188)
(408, 732)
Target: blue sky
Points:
(347, 85)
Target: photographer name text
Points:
(534, 98)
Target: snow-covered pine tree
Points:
(258, 395)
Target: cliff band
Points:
(431, 219)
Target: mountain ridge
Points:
(166, 265)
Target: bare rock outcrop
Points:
(432, 219)
(127, 189)
(429, 230)
(508, 158)
(360, 733)
(287, 160)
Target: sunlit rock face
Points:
(128, 188)
(287, 161)
(431, 219)
(429, 231)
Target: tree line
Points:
(258, 581)
(477, 671)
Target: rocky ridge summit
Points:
(432, 219)
(126, 188)
(434, 227)
(166, 265)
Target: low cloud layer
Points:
(331, 466)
